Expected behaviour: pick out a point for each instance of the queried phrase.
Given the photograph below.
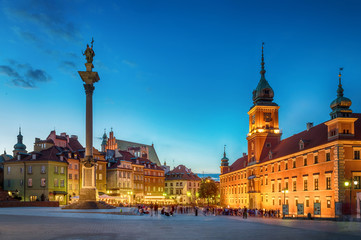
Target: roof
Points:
(181, 172)
(75, 144)
(50, 154)
(313, 137)
(124, 145)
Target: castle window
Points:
(294, 163)
(286, 165)
(305, 185)
(328, 183)
(316, 183)
(358, 179)
(316, 159)
(273, 168)
(357, 154)
(328, 157)
(305, 162)
(294, 185)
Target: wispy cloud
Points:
(129, 63)
(47, 16)
(23, 75)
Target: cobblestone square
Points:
(54, 223)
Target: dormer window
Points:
(270, 157)
(301, 144)
(33, 156)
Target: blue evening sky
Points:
(179, 74)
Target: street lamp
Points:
(284, 191)
(351, 183)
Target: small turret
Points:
(341, 105)
(19, 146)
(224, 162)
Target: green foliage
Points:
(208, 189)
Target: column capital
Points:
(89, 88)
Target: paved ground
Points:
(54, 223)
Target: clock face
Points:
(267, 117)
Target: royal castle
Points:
(318, 169)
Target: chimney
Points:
(74, 137)
(244, 154)
(63, 134)
(37, 140)
(309, 125)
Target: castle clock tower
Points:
(264, 133)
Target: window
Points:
(294, 163)
(21, 182)
(357, 154)
(100, 167)
(56, 169)
(56, 184)
(70, 166)
(61, 182)
(279, 167)
(305, 185)
(328, 157)
(273, 186)
(279, 201)
(286, 187)
(316, 183)
(279, 187)
(70, 176)
(43, 169)
(305, 162)
(30, 182)
(315, 159)
(307, 202)
(75, 166)
(328, 183)
(100, 176)
(75, 176)
(42, 182)
(21, 170)
(273, 168)
(30, 169)
(9, 168)
(286, 165)
(62, 170)
(328, 203)
(294, 188)
(266, 180)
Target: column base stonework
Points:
(88, 195)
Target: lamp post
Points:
(284, 191)
(351, 183)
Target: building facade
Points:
(318, 169)
(182, 185)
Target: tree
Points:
(208, 189)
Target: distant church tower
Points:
(224, 162)
(264, 133)
(104, 142)
(111, 143)
(19, 147)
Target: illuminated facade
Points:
(313, 166)
(182, 185)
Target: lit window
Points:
(316, 183)
(61, 182)
(357, 154)
(9, 168)
(30, 182)
(305, 185)
(43, 169)
(42, 182)
(328, 183)
(30, 169)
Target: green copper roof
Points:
(263, 94)
(341, 105)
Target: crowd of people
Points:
(171, 210)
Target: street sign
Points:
(300, 209)
(317, 208)
(285, 209)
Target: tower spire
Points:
(263, 71)
(224, 153)
(340, 89)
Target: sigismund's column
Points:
(88, 191)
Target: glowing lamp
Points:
(347, 184)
